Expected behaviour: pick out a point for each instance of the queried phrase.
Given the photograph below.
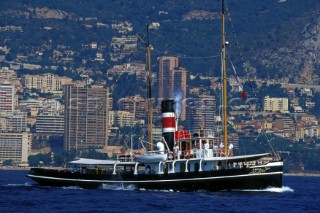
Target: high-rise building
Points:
(201, 112)
(15, 146)
(173, 81)
(7, 93)
(166, 65)
(181, 81)
(85, 117)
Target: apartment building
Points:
(14, 121)
(173, 82)
(201, 112)
(124, 118)
(45, 83)
(85, 117)
(137, 68)
(50, 124)
(7, 97)
(9, 76)
(275, 104)
(135, 105)
(285, 125)
(166, 65)
(15, 146)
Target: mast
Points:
(107, 120)
(149, 76)
(224, 71)
(149, 81)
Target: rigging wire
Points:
(208, 57)
(242, 57)
(178, 55)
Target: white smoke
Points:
(178, 95)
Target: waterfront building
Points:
(15, 146)
(85, 117)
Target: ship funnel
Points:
(168, 122)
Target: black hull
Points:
(233, 179)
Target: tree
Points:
(7, 163)
(10, 57)
(273, 90)
(60, 71)
(197, 82)
(39, 159)
(315, 110)
(92, 153)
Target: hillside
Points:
(279, 39)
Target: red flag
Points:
(244, 95)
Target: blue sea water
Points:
(19, 194)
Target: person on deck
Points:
(215, 150)
(221, 146)
(176, 151)
(206, 149)
(230, 148)
(222, 152)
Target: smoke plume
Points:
(178, 95)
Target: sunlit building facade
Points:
(85, 117)
(15, 146)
